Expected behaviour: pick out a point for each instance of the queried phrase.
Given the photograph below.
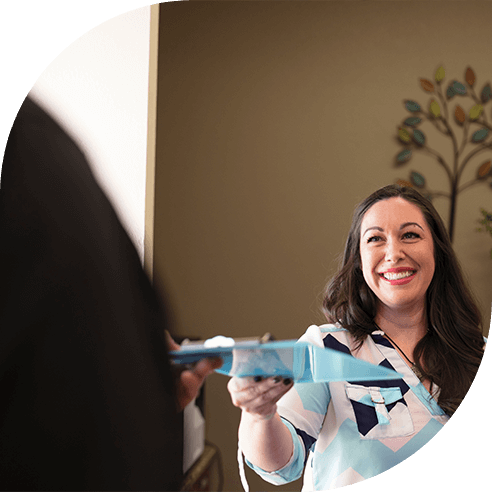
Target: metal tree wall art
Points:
(466, 125)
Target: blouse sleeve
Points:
(303, 411)
(305, 406)
(292, 470)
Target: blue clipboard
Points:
(301, 361)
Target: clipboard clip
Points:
(227, 342)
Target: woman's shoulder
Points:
(327, 335)
(332, 328)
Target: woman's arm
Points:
(263, 438)
(266, 444)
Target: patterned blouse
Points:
(345, 432)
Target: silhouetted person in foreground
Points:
(88, 401)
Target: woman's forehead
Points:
(392, 212)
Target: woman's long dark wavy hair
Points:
(452, 349)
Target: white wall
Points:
(89, 67)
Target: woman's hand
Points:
(257, 396)
(191, 380)
(263, 437)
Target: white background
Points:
(97, 88)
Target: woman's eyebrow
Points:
(374, 227)
(406, 224)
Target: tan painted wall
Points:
(274, 120)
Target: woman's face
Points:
(397, 253)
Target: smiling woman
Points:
(398, 301)
(401, 275)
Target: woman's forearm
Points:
(265, 443)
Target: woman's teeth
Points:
(399, 275)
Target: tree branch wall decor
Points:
(468, 124)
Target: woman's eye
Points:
(410, 235)
(374, 239)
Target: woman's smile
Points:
(398, 276)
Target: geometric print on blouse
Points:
(376, 403)
(347, 431)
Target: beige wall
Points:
(274, 120)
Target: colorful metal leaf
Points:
(475, 112)
(459, 88)
(480, 135)
(450, 92)
(418, 137)
(440, 74)
(404, 135)
(484, 170)
(417, 179)
(403, 182)
(412, 106)
(470, 76)
(486, 94)
(434, 108)
(404, 156)
(427, 85)
(459, 115)
(412, 121)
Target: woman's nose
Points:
(394, 251)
